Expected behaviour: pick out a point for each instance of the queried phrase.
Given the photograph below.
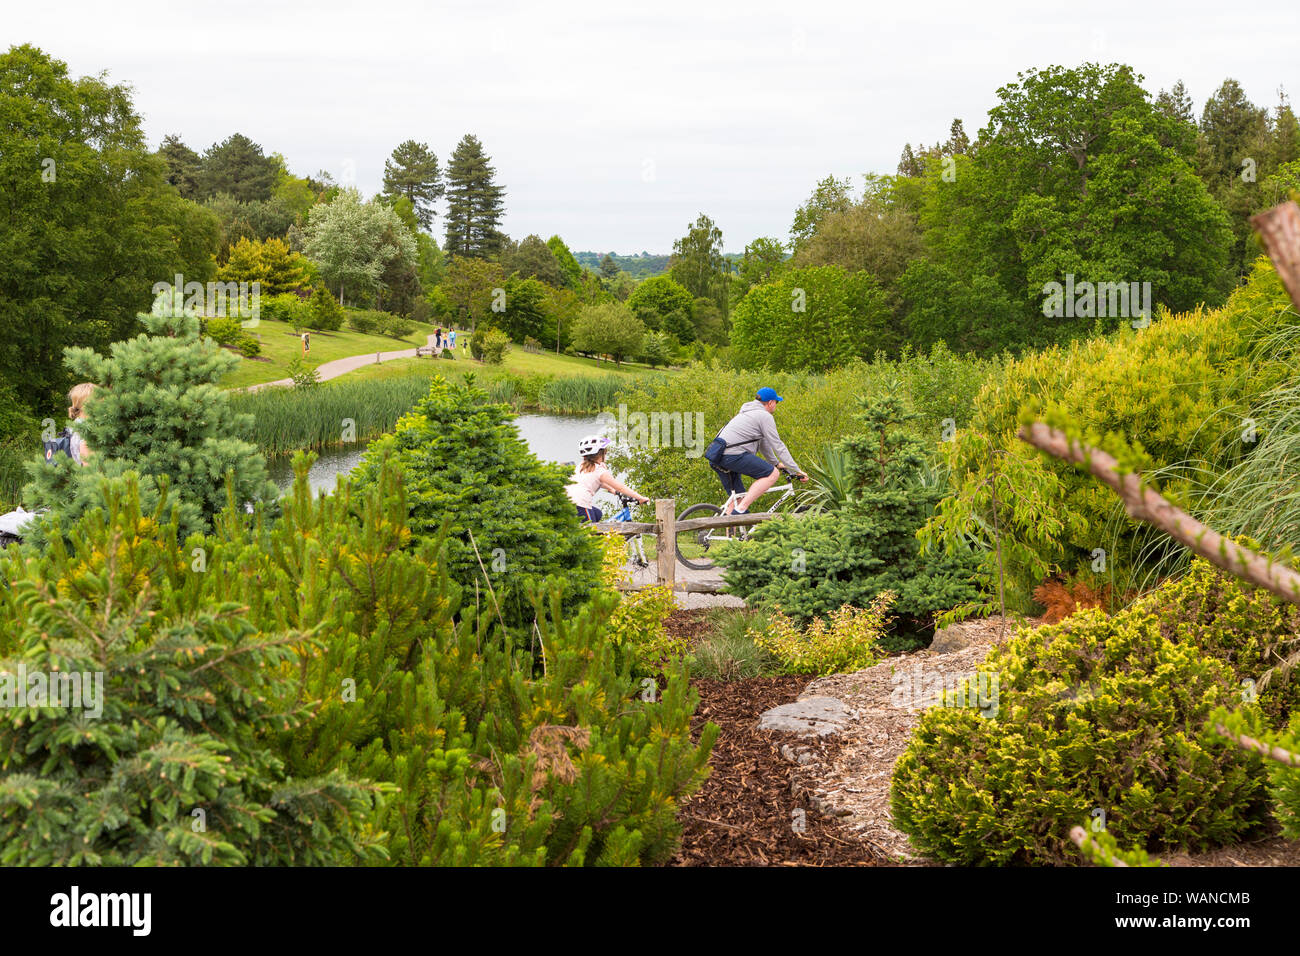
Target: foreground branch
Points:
(1258, 746)
(1147, 505)
(1279, 230)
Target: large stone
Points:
(809, 717)
(951, 639)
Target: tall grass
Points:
(579, 394)
(286, 419)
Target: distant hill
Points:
(641, 266)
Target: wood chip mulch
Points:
(746, 813)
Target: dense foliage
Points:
(1095, 715)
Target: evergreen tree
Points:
(158, 411)
(474, 202)
(164, 755)
(412, 171)
(184, 166)
(237, 166)
(958, 142)
(569, 266)
(699, 265)
(1176, 104)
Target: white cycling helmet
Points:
(592, 444)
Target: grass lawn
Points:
(281, 345)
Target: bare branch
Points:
(1279, 230)
(1258, 746)
(1145, 504)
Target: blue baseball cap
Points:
(768, 394)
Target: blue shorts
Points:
(589, 514)
(731, 467)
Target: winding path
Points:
(350, 363)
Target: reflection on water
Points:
(549, 437)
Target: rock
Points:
(809, 717)
(951, 639)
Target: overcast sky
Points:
(616, 124)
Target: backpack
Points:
(61, 443)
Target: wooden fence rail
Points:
(665, 528)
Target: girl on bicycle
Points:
(591, 475)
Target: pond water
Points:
(549, 437)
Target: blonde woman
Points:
(77, 398)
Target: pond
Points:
(549, 437)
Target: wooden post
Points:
(666, 538)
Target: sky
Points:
(613, 124)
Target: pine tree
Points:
(474, 202)
(158, 411)
(412, 171)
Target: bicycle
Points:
(636, 550)
(698, 543)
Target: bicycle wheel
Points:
(693, 546)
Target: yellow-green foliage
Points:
(1178, 389)
(637, 624)
(845, 640)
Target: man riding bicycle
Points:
(732, 452)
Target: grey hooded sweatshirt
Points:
(754, 429)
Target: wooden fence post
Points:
(666, 540)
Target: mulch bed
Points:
(744, 815)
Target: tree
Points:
(533, 259)
(465, 464)
(812, 319)
(179, 765)
(159, 411)
(269, 262)
(525, 314)
(474, 202)
(830, 195)
(87, 225)
(237, 166)
(662, 303)
(876, 234)
(184, 166)
(356, 244)
(1176, 104)
(569, 266)
(698, 263)
(412, 171)
(655, 349)
(609, 329)
(471, 287)
(762, 257)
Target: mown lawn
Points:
(281, 345)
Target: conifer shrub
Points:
(1095, 713)
(845, 640)
(224, 331)
(1248, 628)
(323, 311)
(249, 346)
(163, 756)
(286, 307)
(511, 524)
(636, 625)
(812, 565)
(493, 346)
(157, 411)
(501, 759)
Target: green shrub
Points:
(493, 347)
(816, 564)
(579, 394)
(500, 760)
(303, 374)
(1247, 628)
(286, 307)
(397, 327)
(224, 331)
(846, 640)
(636, 627)
(179, 765)
(1182, 387)
(323, 311)
(464, 461)
(1095, 713)
(364, 322)
(249, 346)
